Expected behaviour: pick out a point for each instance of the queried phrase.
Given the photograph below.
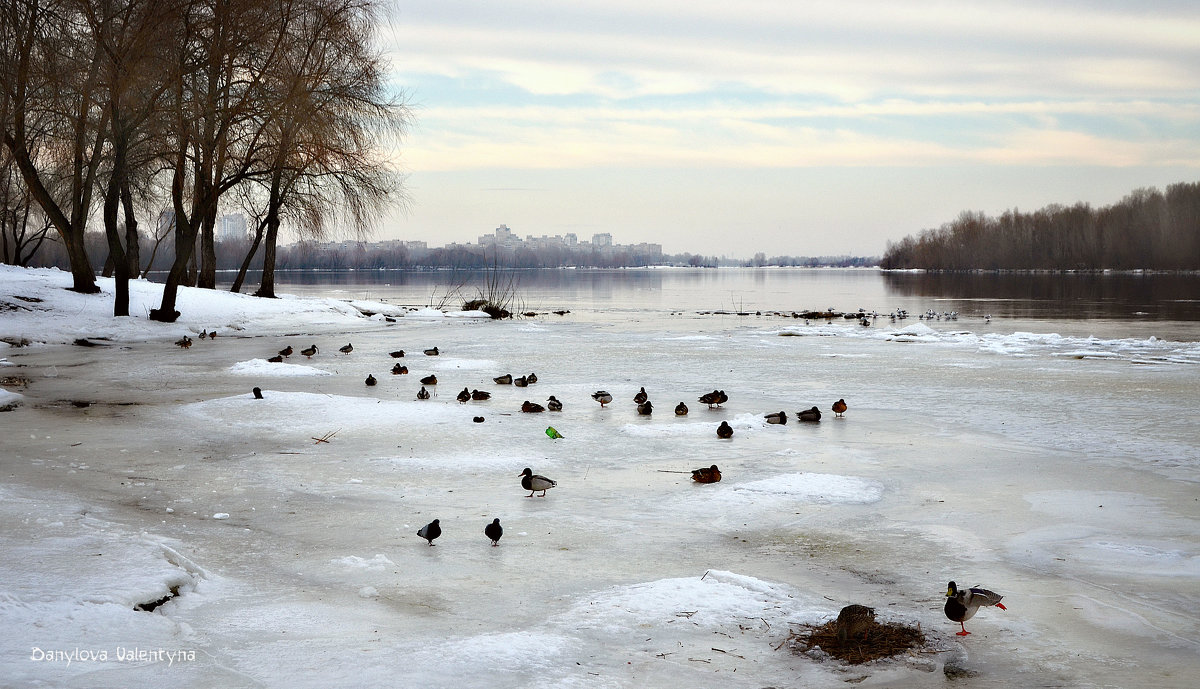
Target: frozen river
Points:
(1055, 467)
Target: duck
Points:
(962, 604)
(641, 396)
(480, 395)
(422, 394)
(432, 351)
(430, 531)
(553, 404)
(257, 393)
(286, 351)
(203, 335)
(602, 397)
(309, 352)
(854, 621)
(494, 531)
(346, 349)
(712, 399)
(399, 370)
(212, 334)
(399, 353)
(184, 342)
(533, 483)
(531, 378)
(645, 408)
(813, 414)
(277, 359)
(777, 417)
(531, 407)
(839, 407)
(464, 396)
(505, 379)
(478, 419)
(724, 430)
(706, 475)
(520, 381)
(430, 379)
(371, 379)
(681, 409)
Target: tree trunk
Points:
(241, 276)
(267, 288)
(133, 249)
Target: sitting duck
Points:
(645, 408)
(706, 475)
(371, 380)
(681, 409)
(480, 395)
(430, 379)
(724, 430)
(854, 621)
(399, 370)
(777, 417)
(399, 353)
(505, 379)
(464, 396)
(813, 414)
(553, 404)
(432, 351)
(531, 378)
(422, 394)
(531, 407)
(641, 396)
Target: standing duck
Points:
(464, 396)
(602, 397)
(399, 370)
(480, 395)
(962, 604)
(184, 342)
(710, 475)
(681, 409)
(371, 380)
(553, 404)
(531, 407)
(494, 531)
(839, 407)
(724, 430)
(777, 417)
(505, 379)
(430, 531)
(422, 394)
(533, 483)
(641, 396)
(286, 351)
(813, 414)
(397, 354)
(349, 347)
(430, 379)
(712, 399)
(310, 351)
(854, 621)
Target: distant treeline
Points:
(1148, 229)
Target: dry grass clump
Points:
(882, 640)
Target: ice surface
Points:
(277, 536)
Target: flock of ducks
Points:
(853, 620)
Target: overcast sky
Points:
(788, 127)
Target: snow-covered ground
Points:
(1061, 472)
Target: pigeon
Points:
(494, 531)
(430, 531)
(533, 483)
(962, 604)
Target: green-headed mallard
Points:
(533, 483)
(962, 604)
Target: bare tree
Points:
(22, 227)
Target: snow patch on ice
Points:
(262, 367)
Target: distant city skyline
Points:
(787, 128)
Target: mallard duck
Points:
(371, 379)
(681, 409)
(430, 379)
(531, 407)
(813, 414)
(645, 408)
(505, 379)
(494, 531)
(277, 359)
(854, 621)
(706, 475)
(531, 378)
(464, 396)
(432, 351)
(399, 370)
(212, 334)
(309, 352)
(602, 397)
(430, 531)
(397, 354)
(712, 399)
(480, 395)
(777, 417)
(520, 381)
(839, 407)
(962, 604)
(203, 335)
(641, 396)
(553, 404)
(286, 351)
(478, 419)
(724, 430)
(184, 342)
(422, 394)
(349, 347)
(533, 483)
(257, 393)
